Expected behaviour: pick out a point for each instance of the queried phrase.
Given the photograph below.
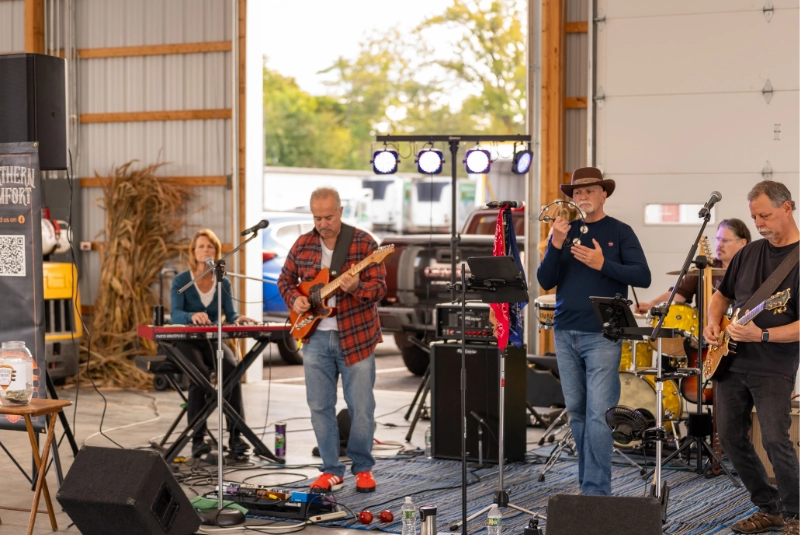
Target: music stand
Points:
(500, 281)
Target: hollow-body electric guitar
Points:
(320, 289)
(776, 303)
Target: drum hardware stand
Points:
(505, 285)
(568, 443)
(561, 421)
(700, 424)
(616, 318)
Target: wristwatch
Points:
(765, 335)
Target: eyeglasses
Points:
(726, 241)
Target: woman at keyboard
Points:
(197, 305)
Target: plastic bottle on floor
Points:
(409, 515)
(495, 525)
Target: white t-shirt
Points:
(208, 296)
(329, 323)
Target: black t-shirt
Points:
(749, 268)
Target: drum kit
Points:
(636, 391)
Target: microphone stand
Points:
(219, 273)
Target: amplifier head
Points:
(475, 323)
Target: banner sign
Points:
(21, 284)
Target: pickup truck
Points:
(417, 275)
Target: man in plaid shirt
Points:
(342, 344)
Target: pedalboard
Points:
(281, 503)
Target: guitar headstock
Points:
(707, 248)
(381, 252)
(777, 303)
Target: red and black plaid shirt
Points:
(356, 313)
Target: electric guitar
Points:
(319, 290)
(776, 303)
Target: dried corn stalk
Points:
(145, 217)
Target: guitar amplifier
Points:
(794, 435)
(476, 322)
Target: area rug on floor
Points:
(696, 505)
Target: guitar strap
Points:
(772, 282)
(341, 249)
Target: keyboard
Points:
(209, 332)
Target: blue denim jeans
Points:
(588, 365)
(737, 393)
(323, 363)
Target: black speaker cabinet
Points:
(125, 492)
(603, 515)
(33, 105)
(483, 398)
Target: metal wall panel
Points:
(684, 113)
(154, 83)
(12, 26)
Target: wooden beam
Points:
(136, 116)
(552, 149)
(34, 26)
(571, 103)
(577, 27)
(99, 182)
(242, 133)
(99, 245)
(154, 50)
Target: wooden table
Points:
(39, 407)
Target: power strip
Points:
(327, 517)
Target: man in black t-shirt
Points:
(762, 372)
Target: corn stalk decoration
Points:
(145, 217)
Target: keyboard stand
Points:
(231, 379)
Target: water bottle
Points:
(409, 516)
(428, 443)
(495, 521)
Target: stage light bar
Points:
(521, 162)
(478, 161)
(430, 161)
(384, 162)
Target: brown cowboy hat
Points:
(588, 176)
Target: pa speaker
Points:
(603, 515)
(33, 105)
(483, 401)
(125, 492)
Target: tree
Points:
(301, 130)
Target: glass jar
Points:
(16, 374)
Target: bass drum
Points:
(640, 393)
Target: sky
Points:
(303, 38)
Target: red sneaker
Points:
(365, 482)
(328, 482)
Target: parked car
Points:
(277, 239)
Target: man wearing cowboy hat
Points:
(604, 260)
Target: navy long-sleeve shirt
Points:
(624, 264)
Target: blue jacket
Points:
(188, 303)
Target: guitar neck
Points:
(747, 318)
(332, 286)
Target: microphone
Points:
(505, 204)
(475, 415)
(715, 198)
(255, 228)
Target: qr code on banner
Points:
(12, 256)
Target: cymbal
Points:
(715, 272)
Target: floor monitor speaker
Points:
(483, 396)
(603, 515)
(33, 105)
(125, 492)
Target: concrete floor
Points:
(134, 418)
